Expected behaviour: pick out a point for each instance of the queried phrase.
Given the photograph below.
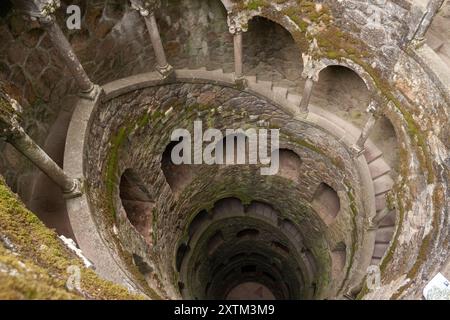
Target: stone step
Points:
(375, 261)
(379, 250)
(380, 202)
(265, 84)
(384, 234)
(294, 99)
(372, 154)
(378, 168)
(383, 184)
(262, 87)
(220, 75)
(251, 79)
(389, 220)
(280, 93)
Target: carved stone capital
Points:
(374, 108)
(238, 22)
(145, 7)
(41, 10)
(311, 67)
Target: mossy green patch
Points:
(37, 260)
(354, 214)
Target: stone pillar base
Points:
(241, 82)
(77, 190)
(92, 94)
(357, 151)
(165, 71)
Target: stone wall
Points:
(133, 131)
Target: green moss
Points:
(364, 290)
(427, 242)
(112, 166)
(354, 214)
(256, 4)
(40, 260)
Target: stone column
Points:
(238, 24)
(311, 70)
(13, 133)
(43, 11)
(146, 9)
(358, 147)
(238, 56)
(431, 11)
(306, 97)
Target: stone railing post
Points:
(146, 9)
(311, 70)
(359, 146)
(13, 133)
(43, 11)
(238, 24)
(424, 24)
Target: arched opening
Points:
(181, 253)
(5, 8)
(294, 233)
(197, 222)
(247, 233)
(264, 210)
(196, 35)
(214, 242)
(384, 137)
(338, 260)
(326, 203)
(341, 91)
(178, 176)
(281, 247)
(271, 54)
(137, 203)
(290, 165)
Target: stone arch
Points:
(248, 232)
(182, 250)
(271, 54)
(384, 136)
(338, 260)
(215, 241)
(326, 203)
(197, 222)
(342, 91)
(358, 69)
(280, 247)
(5, 8)
(177, 176)
(290, 163)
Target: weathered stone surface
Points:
(377, 39)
